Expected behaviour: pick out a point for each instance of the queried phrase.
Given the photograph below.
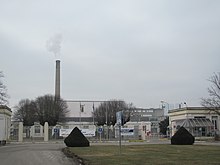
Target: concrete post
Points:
(20, 132)
(143, 135)
(46, 128)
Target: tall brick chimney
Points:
(57, 81)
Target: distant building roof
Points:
(189, 108)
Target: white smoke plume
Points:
(54, 45)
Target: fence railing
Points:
(37, 133)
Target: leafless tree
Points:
(213, 102)
(25, 111)
(106, 112)
(3, 91)
(50, 109)
(43, 109)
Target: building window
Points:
(150, 111)
(66, 127)
(214, 121)
(200, 131)
(37, 129)
(85, 127)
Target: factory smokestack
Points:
(57, 81)
(54, 45)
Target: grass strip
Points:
(148, 154)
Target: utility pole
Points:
(106, 119)
(81, 110)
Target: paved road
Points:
(33, 154)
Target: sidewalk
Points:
(216, 143)
(116, 142)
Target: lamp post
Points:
(81, 110)
(168, 106)
(168, 132)
(106, 119)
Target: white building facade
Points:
(199, 121)
(5, 123)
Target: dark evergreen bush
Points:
(76, 139)
(182, 137)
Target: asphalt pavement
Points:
(34, 154)
(51, 153)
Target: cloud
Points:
(140, 51)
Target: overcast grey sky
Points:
(137, 50)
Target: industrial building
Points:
(80, 114)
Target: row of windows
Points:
(214, 120)
(150, 111)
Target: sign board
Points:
(100, 130)
(65, 132)
(88, 132)
(127, 131)
(85, 132)
(119, 118)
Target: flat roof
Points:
(190, 108)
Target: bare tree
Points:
(25, 111)
(106, 112)
(213, 102)
(44, 109)
(3, 91)
(51, 110)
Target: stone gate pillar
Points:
(46, 128)
(20, 132)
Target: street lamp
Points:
(168, 106)
(81, 110)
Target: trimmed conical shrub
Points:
(182, 137)
(76, 139)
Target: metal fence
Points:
(36, 133)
